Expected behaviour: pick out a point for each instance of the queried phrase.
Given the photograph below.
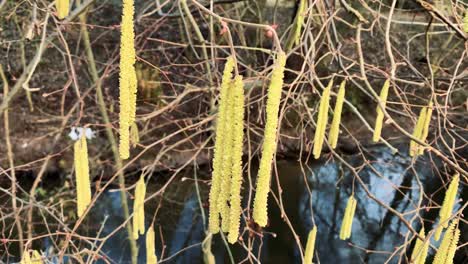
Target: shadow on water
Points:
(179, 223)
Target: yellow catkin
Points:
(226, 175)
(418, 130)
(63, 7)
(139, 208)
(347, 224)
(425, 130)
(447, 205)
(310, 246)
(448, 246)
(420, 249)
(465, 22)
(150, 248)
(238, 136)
(128, 79)
(134, 134)
(83, 186)
(380, 114)
(335, 127)
(322, 121)
(33, 258)
(221, 129)
(300, 15)
(260, 210)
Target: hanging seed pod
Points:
(347, 224)
(83, 186)
(139, 208)
(63, 7)
(322, 121)
(420, 249)
(447, 205)
(128, 79)
(260, 210)
(221, 130)
(448, 246)
(380, 114)
(150, 248)
(238, 132)
(310, 246)
(425, 130)
(418, 130)
(335, 127)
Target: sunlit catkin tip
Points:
(260, 210)
(83, 186)
(310, 246)
(346, 225)
(151, 257)
(380, 114)
(420, 249)
(448, 246)
(139, 208)
(63, 7)
(335, 127)
(417, 132)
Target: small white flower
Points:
(73, 135)
(77, 132)
(90, 134)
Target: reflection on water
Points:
(180, 224)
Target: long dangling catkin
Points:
(335, 127)
(418, 130)
(300, 15)
(221, 129)
(260, 210)
(83, 186)
(151, 257)
(448, 246)
(139, 208)
(310, 246)
(226, 175)
(128, 79)
(380, 114)
(63, 7)
(238, 137)
(322, 121)
(447, 205)
(347, 224)
(425, 130)
(420, 249)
